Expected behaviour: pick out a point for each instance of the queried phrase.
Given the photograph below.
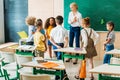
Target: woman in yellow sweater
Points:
(49, 25)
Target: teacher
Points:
(74, 20)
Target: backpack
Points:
(91, 50)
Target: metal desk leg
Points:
(62, 56)
(34, 71)
(99, 76)
(82, 79)
(61, 74)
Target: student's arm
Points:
(66, 39)
(33, 30)
(107, 41)
(53, 42)
(84, 38)
(66, 42)
(96, 35)
(110, 37)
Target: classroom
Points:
(59, 40)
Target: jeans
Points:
(108, 56)
(74, 33)
(58, 54)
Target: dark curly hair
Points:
(47, 23)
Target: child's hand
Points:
(65, 46)
(59, 47)
(104, 48)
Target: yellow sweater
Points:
(39, 41)
(48, 31)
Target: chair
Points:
(20, 59)
(8, 65)
(1, 72)
(30, 76)
(115, 60)
(23, 37)
(23, 59)
(8, 57)
(35, 77)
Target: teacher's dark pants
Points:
(74, 33)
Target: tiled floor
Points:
(72, 69)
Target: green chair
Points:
(8, 65)
(23, 59)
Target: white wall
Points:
(45, 8)
(1, 22)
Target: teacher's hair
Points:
(74, 4)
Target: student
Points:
(59, 36)
(89, 40)
(42, 30)
(109, 43)
(30, 21)
(49, 25)
(39, 40)
(74, 20)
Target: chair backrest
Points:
(23, 59)
(8, 57)
(115, 60)
(35, 77)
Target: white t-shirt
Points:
(94, 36)
(71, 18)
(59, 34)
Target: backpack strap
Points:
(90, 32)
(87, 32)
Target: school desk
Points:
(9, 48)
(40, 68)
(114, 52)
(70, 52)
(107, 72)
(25, 50)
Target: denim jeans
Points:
(58, 54)
(74, 33)
(108, 56)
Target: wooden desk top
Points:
(26, 48)
(114, 51)
(72, 50)
(39, 65)
(8, 47)
(106, 69)
(7, 44)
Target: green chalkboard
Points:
(99, 11)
